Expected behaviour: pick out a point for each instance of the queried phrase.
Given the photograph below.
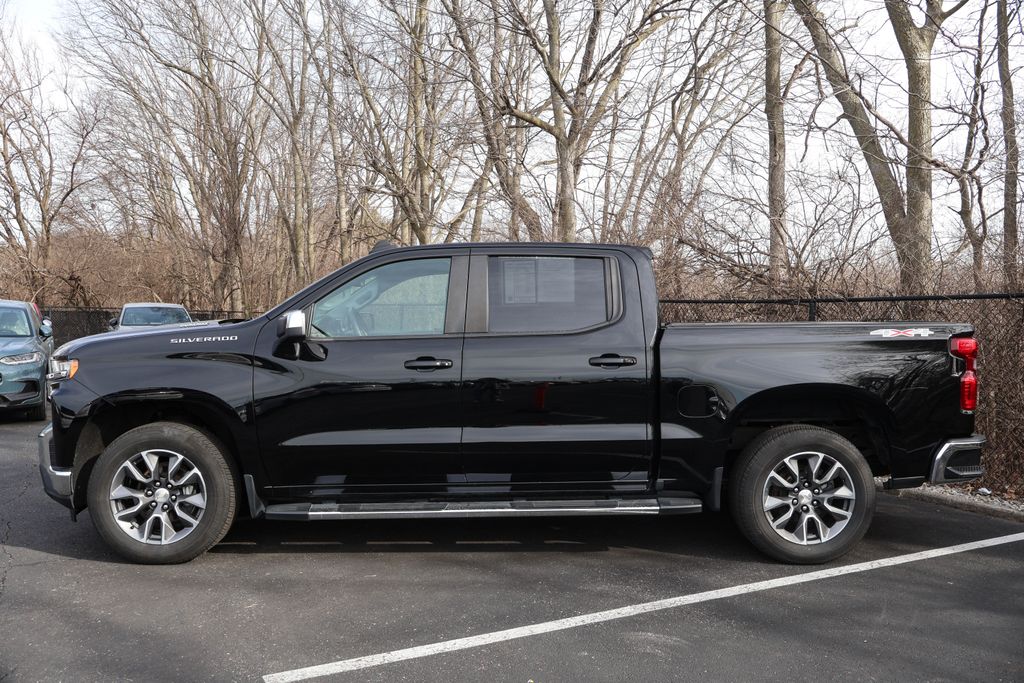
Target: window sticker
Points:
(556, 280)
(520, 277)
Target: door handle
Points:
(428, 364)
(612, 360)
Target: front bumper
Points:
(31, 393)
(56, 480)
(22, 386)
(957, 460)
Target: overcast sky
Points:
(36, 19)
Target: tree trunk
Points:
(565, 204)
(1008, 115)
(915, 244)
(775, 113)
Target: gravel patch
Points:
(964, 499)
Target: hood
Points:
(131, 333)
(130, 329)
(12, 346)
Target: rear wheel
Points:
(802, 494)
(162, 493)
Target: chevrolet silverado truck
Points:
(503, 380)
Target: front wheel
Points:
(162, 493)
(802, 494)
(37, 413)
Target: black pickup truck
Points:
(503, 380)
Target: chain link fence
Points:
(997, 318)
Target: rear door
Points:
(556, 388)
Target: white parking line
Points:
(621, 613)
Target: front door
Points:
(372, 401)
(556, 389)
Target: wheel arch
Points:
(855, 413)
(115, 415)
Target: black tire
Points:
(752, 469)
(220, 489)
(37, 413)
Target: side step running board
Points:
(463, 509)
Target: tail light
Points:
(966, 349)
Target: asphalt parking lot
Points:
(276, 598)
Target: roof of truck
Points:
(384, 246)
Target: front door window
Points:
(403, 299)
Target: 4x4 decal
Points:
(913, 332)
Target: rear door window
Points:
(546, 293)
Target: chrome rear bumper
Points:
(957, 460)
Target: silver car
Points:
(143, 316)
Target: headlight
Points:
(22, 359)
(62, 369)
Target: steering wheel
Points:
(353, 324)
(344, 323)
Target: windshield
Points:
(154, 315)
(14, 322)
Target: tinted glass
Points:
(408, 298)
(154, 315)
(14, 322)
(545, 294)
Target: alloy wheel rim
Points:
(808, 498)
(157, 497)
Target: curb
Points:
(960, 503)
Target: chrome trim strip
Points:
(485, 512)
(551, 508)
(948, 449)
(57, 482)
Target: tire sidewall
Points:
(204, 453)
(768, 456)
(36, 413)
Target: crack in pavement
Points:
(8, 527)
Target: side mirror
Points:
(46, 329)
(112, 323)
(47, 321)
(292, 326)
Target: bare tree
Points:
(184, 109)
(577, 99)
(42, 154)
(503, 143)
(247, 147)
(976, 147)
(908, 213)
(1008, 115)
(774, 107)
